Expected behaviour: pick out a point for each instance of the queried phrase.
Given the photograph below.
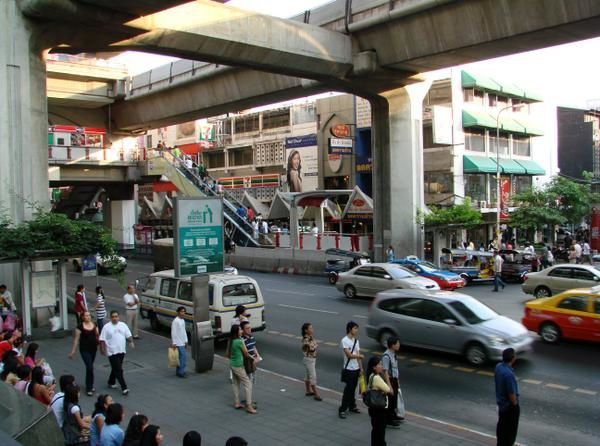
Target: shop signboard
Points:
(341, 146)
(198, 235)
(504, 197)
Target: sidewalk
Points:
(204, 402)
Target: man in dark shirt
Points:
(250, 342)
(507, 399)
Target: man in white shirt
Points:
(498, 262)
(578, 252)
(113, 344)
(529, 248)
(587, 253)
(352, 369)
(179, 340)
(131, 310)
(6, 299)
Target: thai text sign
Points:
(198, 236)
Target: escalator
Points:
(189, 184)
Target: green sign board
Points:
(198, 236)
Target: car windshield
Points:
(473, 311)
(398, 272)
(427, 266)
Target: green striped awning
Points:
(478, 164)
(511, 166)
(480, 82)
(531, 167)
(473, 118)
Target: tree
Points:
(536, 208)
(458, 215)
(572, 200)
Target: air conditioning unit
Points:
(483, 204)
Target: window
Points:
(501, 101)
(214, 160)
(576, 303)
(168, 287)
(365, 272)
(473, 311)
(239, 294)
(247, 123)
(583, 274)
(434, 311)
(473, 96)
(378, 273)
(243, 156)
(438, 183)
(276, 118)
(492, 100)
(475, 140)
(149, 141)
(521, 145)
(407, 307)
(597, 306)
(475, 187)
(502, 146)
(304, 113)
(211, 294)
(185, 291)
(561, 272)
(521, 183)
(399, 272)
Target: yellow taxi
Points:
(573, 314)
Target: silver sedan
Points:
(368, 280)
(559, 278)
(445, 321)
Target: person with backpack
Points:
(395, 410)
(57, 403)
(352, 369)
(75, 424)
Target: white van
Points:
(161, 293)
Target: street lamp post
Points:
(498, 193)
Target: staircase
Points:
(77, 200)
(190, 184)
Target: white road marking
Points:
(586, 392)
(307, 309)
(275, 290)
(359, 316)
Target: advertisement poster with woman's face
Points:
(302, 163)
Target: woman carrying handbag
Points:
(378, 415)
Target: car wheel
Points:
(333, 277)
(542, 291)
(550, 333)
(467, 278)
(476, 354)
(349, 291)
(154, 322)
(384, 336)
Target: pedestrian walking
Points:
(98, 418)
(131, 310)
(498, 262)
(80, 302)
(113, 344)
(352, 369)
(179, 340)
(112, 434)
(100, 308)
(75, 423)
(236, 352)
(378, 415)
(578, 252)
(86, 336)
(587, 253)
(395, 410)
(507, 399)
(309, 349)
(389, 253)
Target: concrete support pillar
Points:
(397, 141)
(123, 217)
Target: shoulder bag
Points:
(374, 399)
(345, 371)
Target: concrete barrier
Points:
(281, 260)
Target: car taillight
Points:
(218, 323)
(527, 311)
(524, 277)
(263, 316)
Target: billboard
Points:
(302, 169)
(198, 235)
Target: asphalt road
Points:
(560, 385)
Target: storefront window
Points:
(521, 183)
(241, 157)
(475, 187)
(521, 145)
(214, 160)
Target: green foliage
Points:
(49, 234)
(572, 200)
(461, 215)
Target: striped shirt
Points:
(101, 308)
(250, 342)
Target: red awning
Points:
(164, 186)
(311, 201)
(191, 149)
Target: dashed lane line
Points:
(331, 344)
(535, 382)
(586, 392)
(299, 293)
(307, 309)
(557, 386)
(441, 365)
(418, 360)
(359, 316)
(464, 369)
(485, 373)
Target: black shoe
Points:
(393, 424)
(355, 410)
(342, 415)
(399, 419)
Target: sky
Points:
(564, 75)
